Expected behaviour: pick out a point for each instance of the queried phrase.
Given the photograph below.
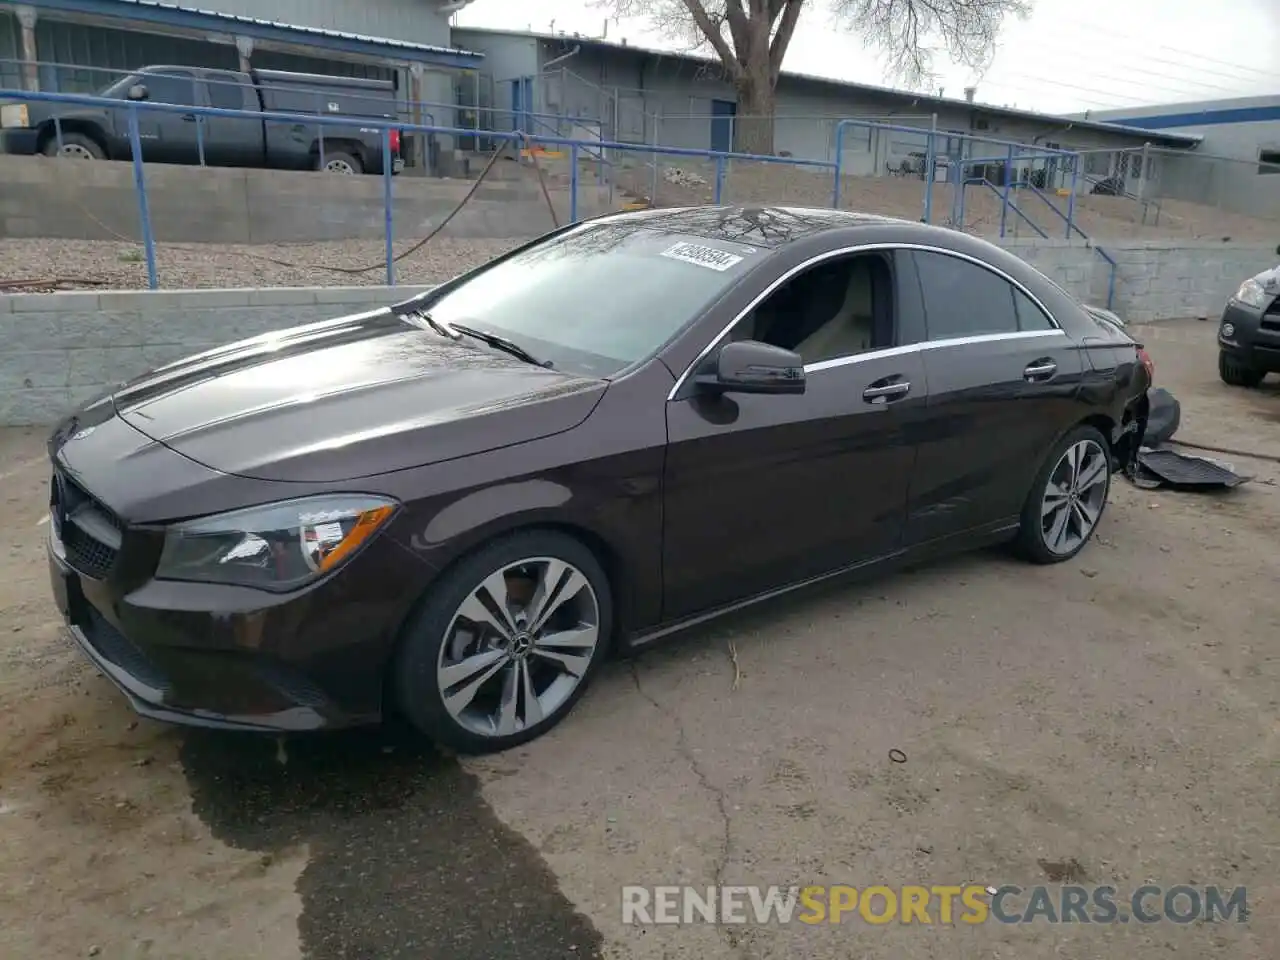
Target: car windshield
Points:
(599, 298)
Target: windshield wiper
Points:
(413, 307)
(439, 326)
(501, 343)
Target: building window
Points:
(1269, 160)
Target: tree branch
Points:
(739, 29)
(782, 39)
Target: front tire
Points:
(1236, 373)
(74, 146)
(1067, 499)
(505, 643)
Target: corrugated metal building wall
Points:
(416, 21)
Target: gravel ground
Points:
(111, 265)
(1115, 719)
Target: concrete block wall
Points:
(1155, 279)
(62, 349)
(97, 201)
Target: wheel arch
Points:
(610, 558)
(49, 131)
(343, 145)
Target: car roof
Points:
(761, 226)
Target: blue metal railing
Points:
(1006, 204)
(1071, 226)
(385, 126)
(132, 109)
(931, 162)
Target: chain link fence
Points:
(1176, 187)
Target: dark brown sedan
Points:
(455, 507)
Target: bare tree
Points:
(750, 39)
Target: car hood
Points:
(348, 398)
(1269, 279)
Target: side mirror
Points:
(139, 92)
(749, 366)
(1277, 249)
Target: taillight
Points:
(1147, 363)
(395, 141)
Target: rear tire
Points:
(74, 146)
(505, 643)
(1067, 499)
(1235, 373)
(336, 161)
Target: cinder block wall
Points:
(61, 349)
(1155, 279)
(98, 201)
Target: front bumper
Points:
(1255, 334)
(19, 141)
(288, 665)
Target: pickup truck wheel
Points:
(74, 146)
(344, 163)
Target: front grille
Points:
(1271, 316)
(114, 646)
(91, 534)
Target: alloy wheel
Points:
(518, 646)
(1074, 496)
(339, 166)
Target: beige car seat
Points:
(852, 327)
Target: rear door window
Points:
(962, 299)
(1030, 317)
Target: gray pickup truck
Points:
(97, 133)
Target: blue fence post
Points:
(1071, 197)
(1004, 194)
(140, 184)
(321, 132)
(200, 138)
(573, 183)
(930, 161)
(719, 178)
(386, 202)
(57, 131)
(835, 190)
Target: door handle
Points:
(1040, 370)
(188, 118)
(886, 392)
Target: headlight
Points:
(15, 116)
(279, 546)
(1251, 294)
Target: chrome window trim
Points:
(930, 345)
(888, 351)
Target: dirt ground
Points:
(1115, 718)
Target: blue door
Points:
(522, 104)
(722, 114)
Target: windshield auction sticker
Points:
(701, 256)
